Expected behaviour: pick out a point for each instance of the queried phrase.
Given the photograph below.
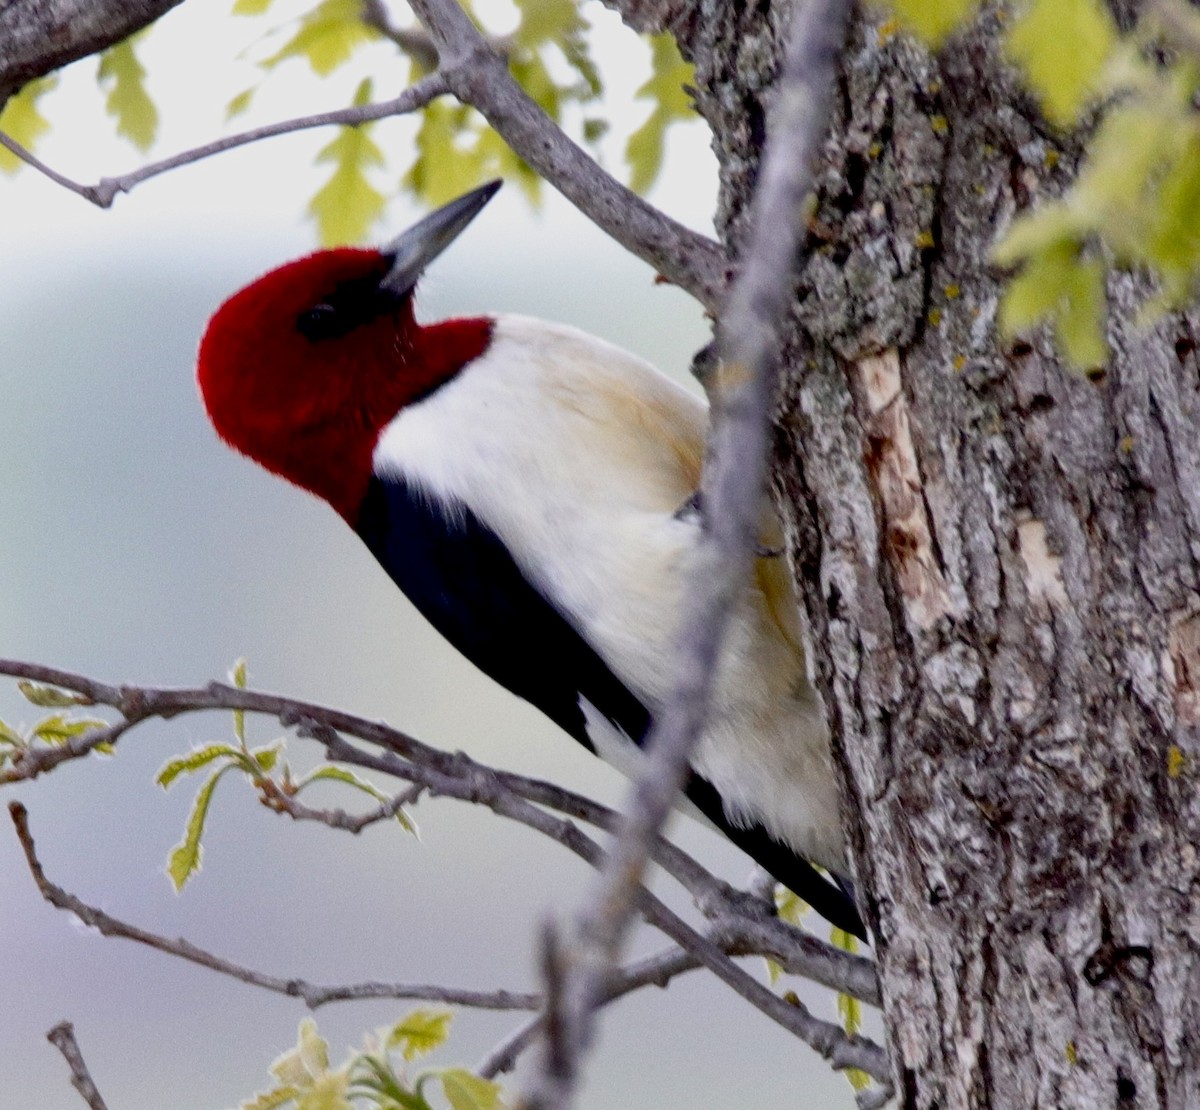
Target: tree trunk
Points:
(998, 559)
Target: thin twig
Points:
(733, 491)
(478, 76)
(62, 1036)
(311, 994)
(29, 763)
(457, 776)
(105, 191)
(503, 1057)
(415, 42)
(743, 921)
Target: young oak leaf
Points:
(644, 149)
(186, 857)
(850, 1008)
(48, 697)
(330, 772)
(467, 1091)
(1063, 46)
(58, 729)
(128, 102)
(348, 204)
(449, 160)
(933, 21)
(327, 37)
(305, 1080)
(194, 761)
(22, 121)
(420, 1032)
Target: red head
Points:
(304, 368)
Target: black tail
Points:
(833, 900)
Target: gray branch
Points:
(479, 76)
(40, 36)
(62, 1036)
(106, 190)
(733, 491)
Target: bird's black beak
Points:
(413, 250)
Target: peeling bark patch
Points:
(1043, 570)
(892, 462)
(1183, 666)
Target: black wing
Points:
(463, 580)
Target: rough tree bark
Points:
(998, 559)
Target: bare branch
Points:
(37, 38)
(740, 923)
(457, 776)
(280, 801)
(415, 42)
(479, 77)
(105, 191)
(28, 764)
(733, 489)
(656, 970)
(62, 1036)
(313, 995)
(504, 1056)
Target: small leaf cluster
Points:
(793, 909)
(850, 1008)
(265, 769)
(548, 53)
(667, 90)
(52, 731)
(1136, 198)
(376, 1077)
(122, 77)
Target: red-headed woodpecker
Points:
(522, 483)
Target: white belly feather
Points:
(577, 455)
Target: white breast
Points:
(577, 455)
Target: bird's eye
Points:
(319, 322)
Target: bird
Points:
(531, 488)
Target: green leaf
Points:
(238, 677)
(420, 1032)
(1063, 45)
(22, 121)
(789, 906)
(194, 761)
(1173, 243)
(670, 73)
(448, 161)
(1079, 322)
(330, 772)
(58, 729)
(932, 20)
(250, 7)
(49, 697)
(384, 1087)
(348, 204)
(266, 757)
(240, 103)
(273, 1099)
(10, 736)
(185, 857)
(545, 21)
(1036, 290)
(128, 102)
(327, 37)
(466, 1091)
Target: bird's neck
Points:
(333, 457)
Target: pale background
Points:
(135, 547)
